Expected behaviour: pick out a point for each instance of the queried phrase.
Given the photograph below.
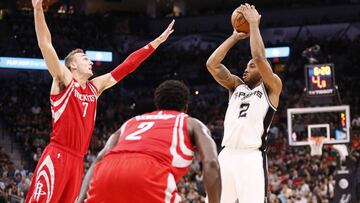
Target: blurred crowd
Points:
(14, 180)
(294, 176)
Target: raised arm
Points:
(271, 80)
(58, 71)
(108, 146)
(108, 80)
(218, 70)
(200, 135)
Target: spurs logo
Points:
(345, 198)
(47, 173)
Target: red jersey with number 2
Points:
(73, 116)
(162, 135)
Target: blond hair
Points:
(69, 57)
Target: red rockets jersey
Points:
(73, 116)
(161, 134)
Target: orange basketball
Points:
(239, 23)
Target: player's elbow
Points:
(41, 45)
(211, 64)
(211, 170)
(44, 45)
(211, 164)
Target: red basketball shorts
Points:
(131, 178)
(57, 177)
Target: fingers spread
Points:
(171, 25)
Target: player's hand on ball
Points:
(163, 37)
(240, 35)
(37, 3)
(250, 13)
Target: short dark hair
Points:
(68, 58)
(172, 95)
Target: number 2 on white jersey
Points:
(243, 107)
(143, 127)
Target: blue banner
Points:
(39, 64)
(23, 63)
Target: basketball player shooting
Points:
(252, 103)
(148, 155)
(73, 97)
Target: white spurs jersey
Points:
(248, 118)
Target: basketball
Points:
(239, 23)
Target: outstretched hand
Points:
(163, 37)
(37, 3)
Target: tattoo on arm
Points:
(224, 74)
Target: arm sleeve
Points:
(132, 62)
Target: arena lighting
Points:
(277, 52)
(39, 64)
(104, 56)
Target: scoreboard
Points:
(320, 79)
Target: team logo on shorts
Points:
(45, 177)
